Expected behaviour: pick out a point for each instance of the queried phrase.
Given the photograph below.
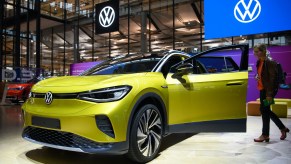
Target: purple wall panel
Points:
(77, 68)
(282, 54)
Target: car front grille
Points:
(11, 97)
(63, 139)
(57, 95)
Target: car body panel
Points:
(209, 92)
(18, 91)
(84, 112)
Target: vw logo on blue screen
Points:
(106, 16)
(247, 11)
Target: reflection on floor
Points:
(176, 148)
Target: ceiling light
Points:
(9, 6)
(53, 4)
(55, 11)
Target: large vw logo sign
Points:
(106, 16)
(247, 13)
(48, 98)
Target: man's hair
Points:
(262, 47)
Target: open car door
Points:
(207, 92)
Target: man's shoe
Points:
(262, 138)
(284, 133)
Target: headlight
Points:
(106, 94)
(30, 95)
(16, 89)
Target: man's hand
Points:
(269, 99)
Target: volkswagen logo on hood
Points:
(48, 98)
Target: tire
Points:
(146, 134)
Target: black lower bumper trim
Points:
(70, 141)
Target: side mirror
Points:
(182, 70)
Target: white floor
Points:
(177, 148)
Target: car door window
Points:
(224, 60)
(169, 63)
(207, 64)
(216, 64)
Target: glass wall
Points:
(145, 26)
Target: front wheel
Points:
(146, 134)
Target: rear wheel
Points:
(146, 134)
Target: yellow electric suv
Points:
(126, 105)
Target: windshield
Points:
(125, 65)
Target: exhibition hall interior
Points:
(145, 81)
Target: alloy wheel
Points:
(149, 132)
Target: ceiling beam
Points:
(198, 14)
(153, 22)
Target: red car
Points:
(19, 92)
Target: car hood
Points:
(76, 84)
(69, 84)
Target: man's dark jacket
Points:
(269, 78)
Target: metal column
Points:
(17, 35)
(128, 27)
(52, 52)
(109, 39)
(1, 37)
(76, 43)
(150, 28)
(173, 7)
(143, 32)
(93, 27)
(65, 26)
(37, 57)
(201, 43)
(76, 33)
(27, 37)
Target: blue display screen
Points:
(227, 18)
